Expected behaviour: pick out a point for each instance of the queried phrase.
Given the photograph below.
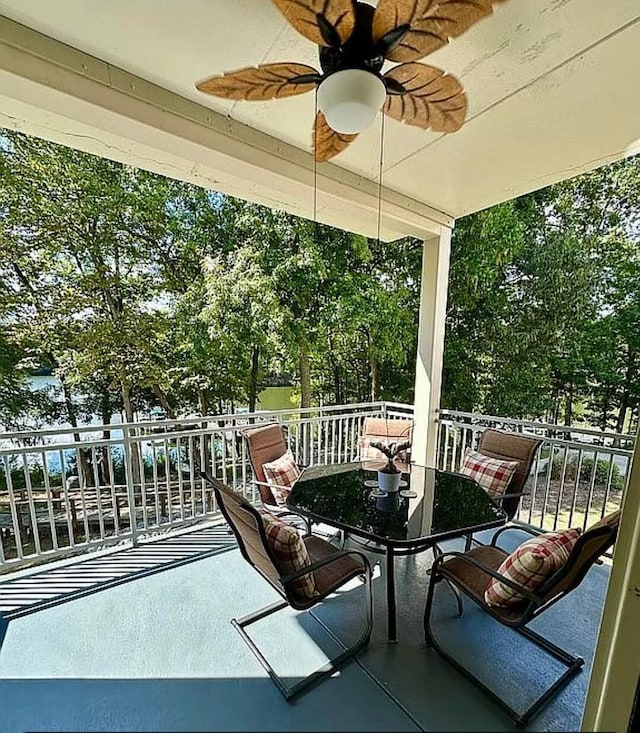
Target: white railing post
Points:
(131, 492)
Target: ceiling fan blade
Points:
(259, 83)
(325, 22)
(327, 143)
(431, 100)
(407, 30)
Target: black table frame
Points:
(397, 548)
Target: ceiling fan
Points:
(355, 39)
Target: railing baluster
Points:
(592, 484)
(224, 457)
(65, 494)
(33, 516)
(202, 467)
(180, 479)
(82, 483)
(576, 487)
(96, 481)
(534, 487)
(607, 490)
(13, 507)
(446, 447)
(167, 479)
(561, 487)
(49, 500)
(547, 487)
(114, 492)
(156, 487)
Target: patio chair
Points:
(471, 571)
(330, 568)
(511, 447)
(265, 443)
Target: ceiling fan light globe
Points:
(351, 99)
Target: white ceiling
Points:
(548, 83)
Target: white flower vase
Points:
(389, 482)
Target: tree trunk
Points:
(164, 402)
(604, 417)
(203, 402)
(305, 372)
(568, 406)
(105, 414)
(375, 378)
(624, 400)
(129, 418)
(335, 370)
(253, 379)
(84, 466)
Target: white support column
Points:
(616, 666)
(433, 308)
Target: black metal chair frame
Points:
(536, 605)
(240, 624)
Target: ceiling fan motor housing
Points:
(359, 52)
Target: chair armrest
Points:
(512, 496)
(489, 571)
(266, 483)
(307, 522)
(326, 561)
(517, 527)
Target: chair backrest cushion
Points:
(530, 564)
(273, 547)
(281, 473)
(386, 431)
(492, 474)
(290, 553)
(511, 447)
(391, 431)
(593, 543)
(247, 525)
(265, 443)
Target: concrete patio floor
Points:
(157, 653)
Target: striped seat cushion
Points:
(290, 554)
(492, 474)
(530, 565)
(281, 474)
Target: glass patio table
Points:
(439, 505)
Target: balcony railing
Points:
(578, 474)
(72, 489)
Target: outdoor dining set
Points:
(285, 538)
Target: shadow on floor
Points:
(159, 654)
(34, 591)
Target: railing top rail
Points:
(55, 447)
(191, 420)
(535, 424)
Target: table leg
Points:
(392, 633)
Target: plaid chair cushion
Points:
(290, 553)
(283, 472)
(530, 565)
(492, 474)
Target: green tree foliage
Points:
(543, 316)
(144, 292)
